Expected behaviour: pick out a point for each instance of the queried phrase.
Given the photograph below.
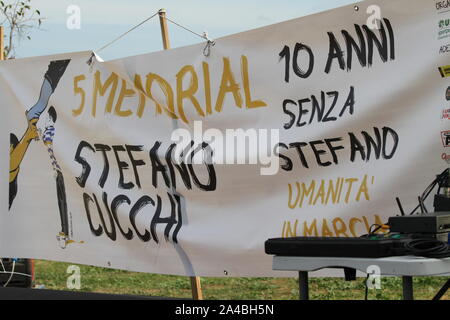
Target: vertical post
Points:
(2, 43)
(195, 281)
(303, 285)
(164, 29)
(196, 288)
(408, 288)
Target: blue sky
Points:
(103, 20)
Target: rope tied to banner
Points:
(209, 42)
(206, 51)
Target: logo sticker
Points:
(443, 6)
(446, 157)
(444, 49)
(445, 136)
(444, 29)
(444, 71)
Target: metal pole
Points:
(408, 288)
(442, 291)
(303, 285)
(195, 281)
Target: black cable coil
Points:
(429, 248)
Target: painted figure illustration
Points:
(18, 148)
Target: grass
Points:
(53, 275)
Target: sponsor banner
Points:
(179, 163)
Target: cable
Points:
(17, 273)
(400, 207)
(127, 32)
(3, 266)
(428, 248)
(373, 232)
(209, 43)
(422, 206)
(204, 36)
(12, 274)
(426, 193)
(206, 50)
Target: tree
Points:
(19, 18)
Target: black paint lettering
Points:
(297, 70)
(349, 103)
(141, 203)
(333, 149)
(372, 144)
(288, 165)
(316, 107)
(212, 180)
(391, 38)
(122, 166)
(394, 137)
(86, 168)
(103, 149)
(169, 221)
(335, 52)
(335, 96)
(356, 146)
(301, 112)
(117, 201)
(181, 168)
(298, 146)
(95, 231)
(382, 45)
(180, 219)
(360, 49)
(286, 54)
(111, 234)
(318, 153)
(291, 115)
(135, 163)
(157, 166)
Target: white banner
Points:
(308, 127)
